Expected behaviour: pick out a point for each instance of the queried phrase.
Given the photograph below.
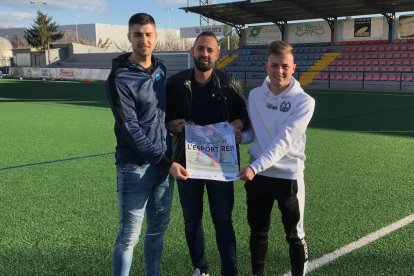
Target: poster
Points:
(406, 26)
(262, 34)
(211, 152)
(362, 27)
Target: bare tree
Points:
(19, 42)
(123, 47)
(104, 44)
(174, 43)
(71, 37)
(231, 41)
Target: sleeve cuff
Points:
(165, 161)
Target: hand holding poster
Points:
(211, 152)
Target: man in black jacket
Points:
(136, 93)
(204, 95)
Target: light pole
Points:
(169, 17)
(38, 2)
(76, 27)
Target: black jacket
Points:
(138, 103)
(226, 91)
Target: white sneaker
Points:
(197, 272)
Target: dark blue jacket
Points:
(138, 102)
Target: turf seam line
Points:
(360, 115)
(403, 93)
(61, 104)
(330, 257)
(55, 161)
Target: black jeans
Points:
(221, 200)
(262, 192)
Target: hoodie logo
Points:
(157, 76)
(285, 106)
(271, 106)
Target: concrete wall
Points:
(319, 31)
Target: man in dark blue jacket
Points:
(136, 92)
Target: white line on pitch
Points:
(328, 258)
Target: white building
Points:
(95, 33)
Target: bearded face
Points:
(205, 53)
(203, 64)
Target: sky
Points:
(167, 13)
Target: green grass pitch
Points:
(58, 194)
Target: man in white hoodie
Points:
(280, 112)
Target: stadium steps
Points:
(226, 60)
(307, 77)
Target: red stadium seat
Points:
(395, 47)
(403, 48)
(393, 78)
(383, 77)
(408, 78)
(375, 77)
(404, 55)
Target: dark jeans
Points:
(262, 192)
(221, 200)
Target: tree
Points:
(18, 42)
(104, 44)
(43, 32)
(71, 37)
(230, 41)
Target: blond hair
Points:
(280, 48)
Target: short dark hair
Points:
(207, 33)
(280, 48)
(141, 19)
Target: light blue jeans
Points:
(141, 189)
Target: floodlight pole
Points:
(76, 27)
(169, 17)
(38, 2)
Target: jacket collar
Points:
(190, 77)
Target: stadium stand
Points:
(372, 63)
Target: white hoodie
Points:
(278, 126)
